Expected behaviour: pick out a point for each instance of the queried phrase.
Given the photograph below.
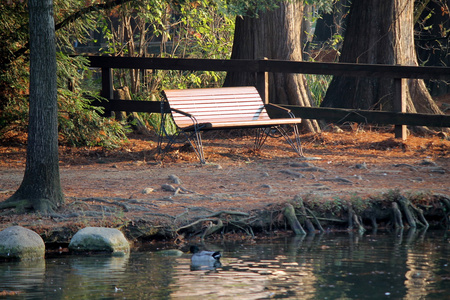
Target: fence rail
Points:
(262, 67)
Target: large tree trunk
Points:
(379, 32)
(41, 188)
(275, 35)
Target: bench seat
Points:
(196, 110)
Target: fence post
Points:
(107, 86)
(400, 106)
(262, 84)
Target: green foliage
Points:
(185, 29)
(13, 36)
(318, 86)
(79, 123)
(171, 30)
(359, 204)
(14, 116)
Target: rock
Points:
(175, 179)
(268, 187)
(17, 242)
(293, 173)
(362, 166)
(99, 239)
(214, 165)
(170, 252)
(148, 191)
(439, 170)
(338, 179)
(313, 169)
(427, 162)
(337, 129)
(168, 188)
(302, 165)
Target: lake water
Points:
(408, 265)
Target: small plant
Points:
(318, 85)
(359, 204)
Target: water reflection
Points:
(404, 265)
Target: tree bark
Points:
(41, 189)
(275, 35)
(379, 32)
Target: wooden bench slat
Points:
(243, 124)
(272, 122)
(220, 106)
(210, 103)
(228, 110)
(218, 117)
(213, 91)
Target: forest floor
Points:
(129, 187)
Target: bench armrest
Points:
(288, 111)
(182, 113)
(193, 119)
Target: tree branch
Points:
(72, 18)
(101, 6)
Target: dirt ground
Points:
(129, 186)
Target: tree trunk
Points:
(41, 189)
(275, 35)
(379, 32)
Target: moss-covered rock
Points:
(99, 239)
(17, 242)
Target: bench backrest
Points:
(209, 105)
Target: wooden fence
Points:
(399, 117)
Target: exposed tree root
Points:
(393, 210)
(315, 219)
(398, 220)
(19, 205)
(289, 213)
(309, 226)
(353, 220)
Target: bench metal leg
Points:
(261, 137)
(170, 141)
(195, 139)
(263, 133)
(295, 144)
(162, 134)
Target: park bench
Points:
(196, 110)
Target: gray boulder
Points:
(17, 242)
(99, 239)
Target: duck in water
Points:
(202, 260)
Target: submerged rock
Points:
(17, 242)
(99, 239)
